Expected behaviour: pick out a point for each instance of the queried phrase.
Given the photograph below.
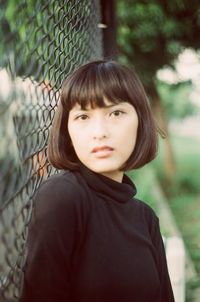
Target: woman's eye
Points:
(117, 113)
(82, 117)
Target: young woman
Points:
(90, 239)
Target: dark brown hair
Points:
(91, 84)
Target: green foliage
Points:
(187, 214)
(12, 10)
(43, 34)
(184, 198)
(144, 180)
(187, 177)
(152, 33)
(176, 98)
(14, 40)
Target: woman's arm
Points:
(52, 235)
(166, 293)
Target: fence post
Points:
(175, 253)
(108, 13)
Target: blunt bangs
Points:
(94, 82)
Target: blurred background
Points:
(161, 40)
(43, 41)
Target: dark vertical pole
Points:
(109, 25)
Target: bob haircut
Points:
(91, 84)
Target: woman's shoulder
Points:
(65, 180)
(149, 217)
(59, 204)
(147, 211)
(59, 190)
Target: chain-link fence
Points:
(40, 43)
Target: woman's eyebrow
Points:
(111, 105)
(106, 107)
(114, 105)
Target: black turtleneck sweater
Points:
(90, 240)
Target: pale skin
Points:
(104, 138)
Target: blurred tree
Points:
(176, 98)
(151, 35)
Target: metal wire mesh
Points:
(41, 42)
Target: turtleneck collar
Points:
(120, 192)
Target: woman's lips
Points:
(101, 149)
(102, 152)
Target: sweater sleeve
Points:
(51, 241)
(166, 292)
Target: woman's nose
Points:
(100, 129)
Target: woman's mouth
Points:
(102, 151)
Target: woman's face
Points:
(104, 138)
